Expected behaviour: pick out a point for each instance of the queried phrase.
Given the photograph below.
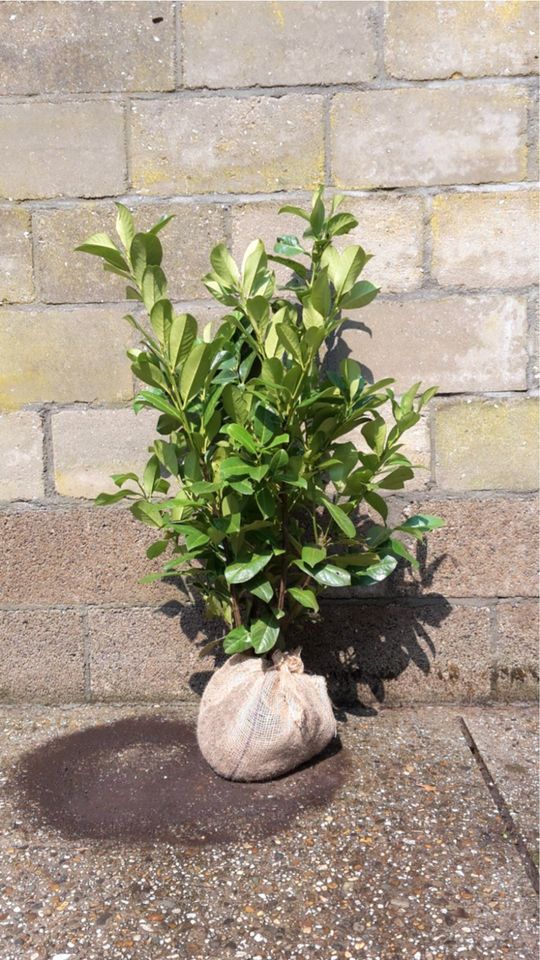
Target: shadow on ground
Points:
(144, 779)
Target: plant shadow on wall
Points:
(360, 642)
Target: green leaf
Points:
(341, 223)
(157, 401)
(265, 502)
(151, 475)
(224, 265)
(195, 371)
(296, 211)
(289, 338)
(298, 268)
(313, 555)
(101, 245)
(145, 250)
(156, 549)
(253, 263)
(399, 548)
(162, 222)
(316, 219)
(351, 264)
(242, 572)
(182, 334)
(354, 559)
(304, 597)
(396, 479)
(124, 225)
(422, 523)
(154, 286)
(147, 512)
(120, 478)
(332, 576)
(237, 640)
(376, 573)
(105, 499)
(288, 245)
(359, 295)
(374, 433)
(265, 632)
(167, 454)
(377, 503)
(262, 589)
(340, 518)
(160, 317)
(242, 437)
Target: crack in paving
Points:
(530, 867)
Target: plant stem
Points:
(236, 612)
(285, 542)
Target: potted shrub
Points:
(254, 483)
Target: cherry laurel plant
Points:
(253, 482)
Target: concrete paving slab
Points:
(408, 860)
(507, 738)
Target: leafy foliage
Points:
(252, 485)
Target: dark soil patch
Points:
(144, 779)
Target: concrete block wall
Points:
(425, 115)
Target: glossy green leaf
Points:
(146, 250)
(153, 286)
(147, 512)
(195, 371)
(422, 523)
(239, 433)
(157, 401)
(237, 640)
(156, 549)
(224, 265)
(243, 572)
(288, 245)
(101, 245)
(304, 597)
(182, 334)
(124, 225)
(262, 589)
(313, 555)
(331, 576)
(344, 523)
(376, 573)
(106, 499)
(265, 632)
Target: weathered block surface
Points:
(46, 47)
(401, 654)
(488, 548)
(63, 355)
(64, 276)
(427, 41)
(266, 44)
(90, 445)
(389, 138)
(516, 650)
(390, 228)
(21, 456)
(78, 555)
(460, 343)
(41, 655)
(62, 149)
(220, 144)
(148, 654)
(16, 283)
(487, 445)
(506, 224)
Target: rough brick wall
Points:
(424, 114)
